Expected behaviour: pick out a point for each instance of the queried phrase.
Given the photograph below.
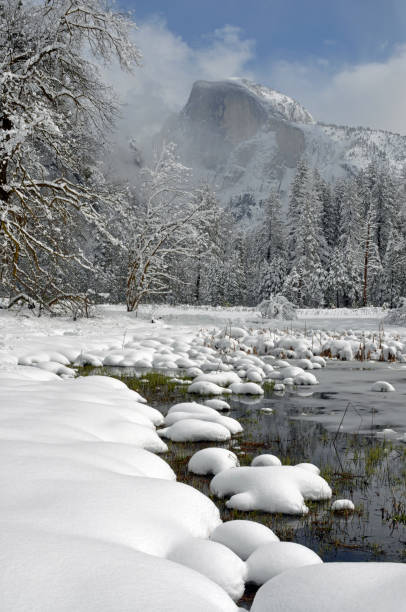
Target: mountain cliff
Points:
(243, 138)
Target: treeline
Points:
(338, 244)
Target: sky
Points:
(345, 61)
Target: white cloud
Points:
(369, 94)
(162, 84)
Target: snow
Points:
(335, 587)
(305, 379)
(204, 387)
(381, 385)
(215, 561)
(223, 379)
(270, 489)
(212, 461)
(310, 467)
(273, 558)
(265, 459)
(192, 408)
(342, 504)
(93, 519)
(87, 409)
(243, 537)
(195, 430)
(49, 572)
(217, 404)
(249, 388)
(229, 423)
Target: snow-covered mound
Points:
(335, 587)
(195, 430)
(212, 461)
(266, 459)
(382, 386)
(342, 504)
(270, 489)
(243, 537)
(215, 561)
(273, 558)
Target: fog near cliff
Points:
(162, 84)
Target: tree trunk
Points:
(6, 126)
(365, 289)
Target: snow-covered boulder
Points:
(229, 423)
(212, 461)
(192, 408)
(335, 587)
(309, 466)
(305, 379)
(194, 430)
(272, 559)
(342, 504)
(266, 459)
(213, 560)
(249, 388)
(305, 364)
(270, 489)
(205, 387)
(217, 404)
(193, 372)
(382, 386)
(254, 376)
(319, 360)
(243, 537)
(292, 371)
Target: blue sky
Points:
(339, 30)
(344, 60)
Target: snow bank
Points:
(335, 587)
(91, 517)
(83, 409)
(270, 489)
(243, 537)
(273, 558)
(47, 572)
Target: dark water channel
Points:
(369, 471)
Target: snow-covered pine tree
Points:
(307, 245)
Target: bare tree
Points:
(170, 217)
(54, 108)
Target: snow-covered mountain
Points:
(244, 138)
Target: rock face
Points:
(244, 138)
(226, 108)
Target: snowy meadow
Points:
(217, 454)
